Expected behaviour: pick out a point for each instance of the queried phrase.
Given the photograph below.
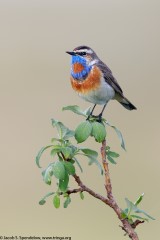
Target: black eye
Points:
(82, 53)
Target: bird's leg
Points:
(100, 115)
(91, 112)
(92, 109)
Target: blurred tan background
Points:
(34, 86)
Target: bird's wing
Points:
(109, 78)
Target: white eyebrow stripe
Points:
(84, 50)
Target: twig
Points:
(76, 190)
(108, 185)
(127, 227)
(109, 200)
(91, 192)
(136, 223)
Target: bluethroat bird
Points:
(93, 80)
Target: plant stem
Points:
(110, 200)
(127, 227)
(108, 184)
(91, 192)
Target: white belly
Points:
(101, 95)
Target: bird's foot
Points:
(89, 116)
(97, 118)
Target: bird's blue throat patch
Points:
(84, 73)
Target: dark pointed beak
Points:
(71, 53)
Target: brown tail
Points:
(126, 103)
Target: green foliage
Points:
(58, 170)
(67, 201)
(132, 211)
(43, 200)
(111, 155)
(92, 156)
(63, 132)
(90, 128)
(65, 155)
(40, 154)
(81, 195)
(79, 165)
(139, 199)
(63, 183)
(47, 174)
(76, 109)
(119, 134)
(69, 168)
(56, 201)
(83, 131)
(98, 131)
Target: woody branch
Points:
(127, 227)
(109, 200)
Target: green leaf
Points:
(95, 161)
(69, 134)
(76, 109)
(111, 159)
(139, 199)
(89, 152)
(83, 131)
(71, 161)
(130, 220)
(119, 134)
(47, 174)
(98, 131)
(67, 152)
(69, 167)
(63, 184)
(130, 205)
(113, 154)
(67, 202)
(92, 156)
(87, 111)
(40, 154)
(63, 132)
(75, 159)
(65, 194)
(56, 140)
(138, 217)
(75, 150)
(43, 200)
(133, 207)
(60, 127)
(124, 214)
(81, 195)
(146, 214)
(60, 158)
(59, 170)
(54, 152)
(56, 201)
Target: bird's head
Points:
(83, 53)
(83, 58)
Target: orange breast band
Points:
(77, 67)
(92, 82)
